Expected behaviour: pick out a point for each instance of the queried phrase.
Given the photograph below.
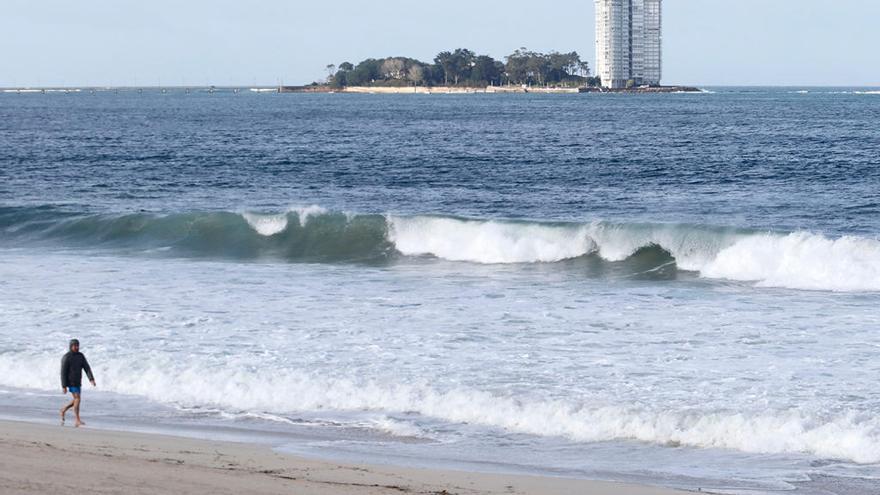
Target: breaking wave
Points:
(852, 435)
(798, 260)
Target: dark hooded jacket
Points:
(72, 366)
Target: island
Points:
(463, 71)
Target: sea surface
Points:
(678, 289)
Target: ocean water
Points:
(677, 289)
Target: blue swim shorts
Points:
(74, 390)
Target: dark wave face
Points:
(327, 237)
(800, 260)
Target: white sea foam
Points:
(487, 241)
(266, 225)
(511, 242)
(799, 260)
(395, 427)
(269, 225)
(848, 435)
(306, 212)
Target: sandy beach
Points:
(37, 458)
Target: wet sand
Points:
(39, 458)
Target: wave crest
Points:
(267, 225)
(488, 241)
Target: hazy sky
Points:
(148, 42)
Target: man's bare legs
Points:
(74, 404)
(76, 401)
(65, 409)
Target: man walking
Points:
(72, 365)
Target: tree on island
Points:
(393, 68)
(416, 74)
(331, 69)
(486, 70)
(463, 67)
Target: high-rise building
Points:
(628, 42)
(652, 71)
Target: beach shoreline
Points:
(41, 458)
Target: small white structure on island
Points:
(629, 42)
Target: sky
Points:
(264, 42)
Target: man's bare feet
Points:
(62, 417)
(80, 423)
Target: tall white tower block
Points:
(628, 42)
